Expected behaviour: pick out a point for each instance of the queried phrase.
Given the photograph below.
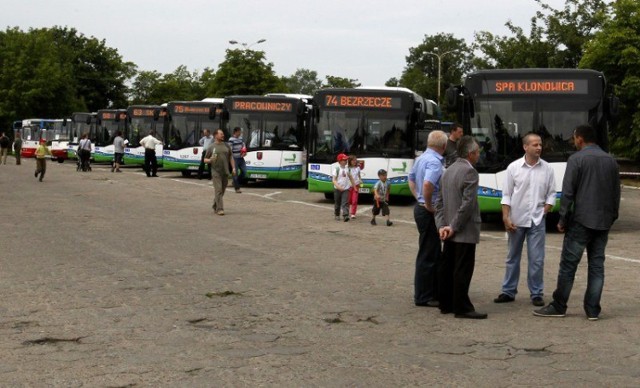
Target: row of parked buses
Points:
(297, 137)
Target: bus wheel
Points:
(328, 195)
(60, 160)
(185, 173)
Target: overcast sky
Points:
(366, 40)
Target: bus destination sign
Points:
(375, 102)
(107, 116)
(541, 86)
(263, 106)
(147, 112)
(191, 109)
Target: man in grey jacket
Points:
(458, 221)
(588, 208)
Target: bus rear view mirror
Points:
(156, 114)
(614, 107)
(212, 113)
(451, 96)
(64, 122)
(88, 120)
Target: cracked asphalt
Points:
(117, 280)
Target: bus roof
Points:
(216, 100)
(291, 95)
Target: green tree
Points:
(516, 51)
(340, 82)
(144, 89)
(570, 28)
(615, 50)
(303, 81)
(421, 72)
(244, 72)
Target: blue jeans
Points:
(241, 169)
(535, 236)
(577, 238)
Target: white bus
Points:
(143, 119)
(274, 128)
(108, 123)
(499, 107)
(186, 121)
(383, 127)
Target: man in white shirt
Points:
(150, 162)
(528, 194)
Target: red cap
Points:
(342, 157)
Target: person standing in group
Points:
(5, 143)
(149, 143)
(424, 182)
(354, 170)
(118, 152)
(589, 206)
(342, 182)
(84, 152)
(205, 142)
(17, 147)
(451, 153)
(381, 198)
(219, 158)
(458, 220)
(239, 150)
(528, 194)
(41, 159)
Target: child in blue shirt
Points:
(381, 198)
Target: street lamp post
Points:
(247, 46)
(439, 56)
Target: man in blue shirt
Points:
(424, 182)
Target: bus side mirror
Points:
(212, 113)
(64, 122)
(451, 96)
(156, 114)
(614, 107)
(88, 120)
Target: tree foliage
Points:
(244, 72)
(340, 82)
(441, 53)
(303, 81)
(615, 50)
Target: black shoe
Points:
(445, 311)
(155, 176)
(431, 303)
(548, 311)
(346, 219)
(373, 222)
(537, 301)
(504, 298)
(35, 174)
(389, 223)
(472, 315)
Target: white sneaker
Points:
(353, 216)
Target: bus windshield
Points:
(499, 126)
(141, 126)
(186, 130)
(268, 130)
(363, 132)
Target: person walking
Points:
(528, 194)
(451, 153)
(41, 159)
(458, 220)
(239, 150)
(219, 158)
(5, 143)
(84, 152)
(589, 206)
(118, 152)
(354, 170)
(17, 148)
(149, 143)
(205, 142)
(342, 181)
(424, 182)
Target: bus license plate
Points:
(258, 176)
(364, 190)
(192, 167)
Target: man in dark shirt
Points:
(588, 207)
(451, 153)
